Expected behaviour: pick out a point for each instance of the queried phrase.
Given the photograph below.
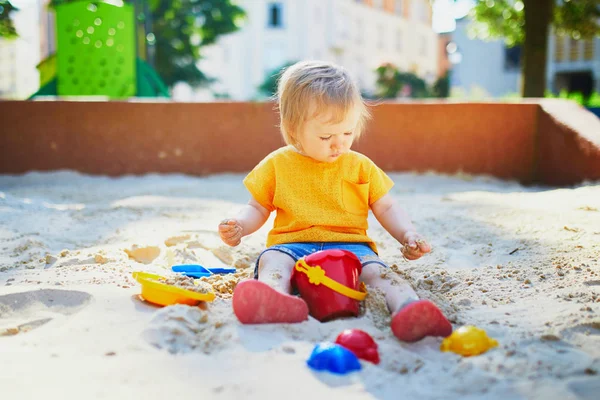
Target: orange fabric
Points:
(317, 201)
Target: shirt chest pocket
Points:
(355, 197)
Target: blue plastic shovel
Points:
(198, 271)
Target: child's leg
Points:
(275, 269)
(267, 300)
(412, 319)
(397, 291)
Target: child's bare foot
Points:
(419, 319)
(255, 302)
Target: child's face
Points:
(325, 141)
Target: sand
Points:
(520, 262)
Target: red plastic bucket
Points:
(322, 287)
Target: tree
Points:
(391, 81)
(441, 87)
(528, 23)
(269, 86)
(182, 27)
(179, 28)
(7, 28)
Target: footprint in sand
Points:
(585, 389)
(22, 312)
(585, 336)
(589, 328)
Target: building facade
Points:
(19, 78)
(482, 68)
(358, 34)
(573, 65)
(47, 29)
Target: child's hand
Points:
(230, 232)
(414, 246)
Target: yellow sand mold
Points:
(162, 294)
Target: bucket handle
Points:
(316, 276)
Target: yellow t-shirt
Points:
(317, 201)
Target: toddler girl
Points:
(321, 192)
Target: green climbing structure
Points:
(96, 54)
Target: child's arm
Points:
(248, 220)
(397, 222)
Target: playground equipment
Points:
(97, 54)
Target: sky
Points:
(444, 12)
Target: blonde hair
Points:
(325, 85)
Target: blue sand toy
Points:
(333, 358)
(198, 271)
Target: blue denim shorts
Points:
(365, 254)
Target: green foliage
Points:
(269, 86)
(506, 19)
(472, 93)
(180, 28)
(499, 18)
(391, 81)
(388, 85)
(441, 87)
(577, 97)
(511, 98)
(578, 18)
(592, 101)
(7, 28)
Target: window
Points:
(360, 78)
(380, 37)
(559, 48)
(318, 15)
(588, 50)
(343, 27)
(423, 49)
(573, 49)
(425, 13)
(226, 54)
(399, 7)
(359, 31)
(420, 12)
(275, 16)
(512, 58)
